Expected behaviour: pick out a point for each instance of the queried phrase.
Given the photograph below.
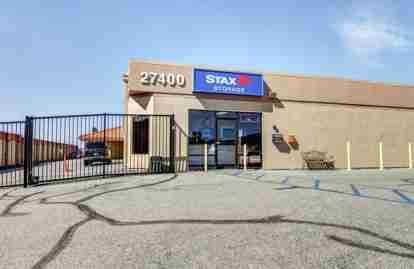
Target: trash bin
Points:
(34, 180)
(159, 164)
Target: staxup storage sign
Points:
(223, 82)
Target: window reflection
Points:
(227, 115)
(202, 127)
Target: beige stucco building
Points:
(320, 113)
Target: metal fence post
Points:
(106, 150)
(172, 144)
(28, 144)
(205, 157)
(6, 151)
(245, 157)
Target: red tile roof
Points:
(11, 137)
(111, 135)
(6, 136)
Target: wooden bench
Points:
(318, 160)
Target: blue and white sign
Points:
(208, 81)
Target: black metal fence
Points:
(46, 149)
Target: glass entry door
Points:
(225, 133)
(226, 143)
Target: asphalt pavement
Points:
(220, 219)
(59, 170)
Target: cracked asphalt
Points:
(222, 219)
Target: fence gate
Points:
(46, 149)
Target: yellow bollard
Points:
(410, 156)
(381, 160)
(245, 157)
(205, 157)
(348, 154)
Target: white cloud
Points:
(368, 32)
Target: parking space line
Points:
(355, 190)
(237, 173)
(404, 197)
(285, 180)
(316, 183)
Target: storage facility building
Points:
(279, 117)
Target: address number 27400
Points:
(154, 78)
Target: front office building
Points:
(277, 116)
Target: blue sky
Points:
(67, 57)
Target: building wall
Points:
(323, 127)
(116, 149)
(50, 151)
(286, 87)
(326, 127)
(136, 67)
(180, 105)
(336, 90)
(137, 105)
(322, 113)
(11, 153)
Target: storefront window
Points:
(202, 130)
(202, 127)
(227, 115)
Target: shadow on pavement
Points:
(92, 215)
